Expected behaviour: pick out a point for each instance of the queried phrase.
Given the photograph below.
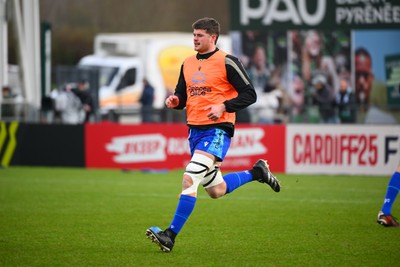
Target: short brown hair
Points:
(210, 25)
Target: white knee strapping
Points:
(213, 177)
(198, 167)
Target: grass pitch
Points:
(78, 217)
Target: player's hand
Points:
(172, 101)
(216, 111)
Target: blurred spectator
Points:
(296, 98)
(147, 99)
(346, 103)
(83, 93)
(12, 104)
(6, 92)
(314, 61)
(267, 105)
(258, 71)
(47, 109)
(324, 99)
(7, 107)
(249, 41)
(259, 75)
(69, 106)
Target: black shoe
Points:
(267, 177)
(161, 238)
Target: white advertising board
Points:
(342, 149)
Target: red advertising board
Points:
(165, 146)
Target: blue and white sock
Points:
(391, 193)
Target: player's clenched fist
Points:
(172, 101)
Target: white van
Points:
(125, 59)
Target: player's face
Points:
(203, 42)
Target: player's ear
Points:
(214, 38)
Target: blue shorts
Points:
(214, 141)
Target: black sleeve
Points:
(239, 79)
(180, 90)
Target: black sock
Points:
(256, 173)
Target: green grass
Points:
(77, 217)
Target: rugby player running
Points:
(212, 86)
